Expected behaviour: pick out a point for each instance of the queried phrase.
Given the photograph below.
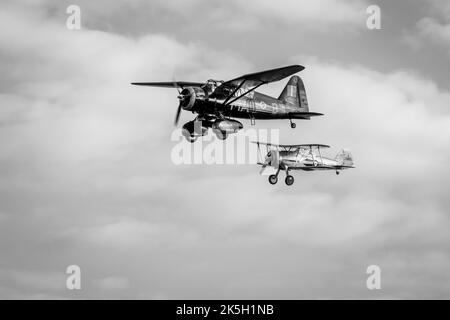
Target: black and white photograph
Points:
(224, 150)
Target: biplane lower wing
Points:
(305, 146)
(320, 167)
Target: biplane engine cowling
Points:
(228, 126)
(273, 158)
(191, 95)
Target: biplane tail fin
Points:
(344, 158)
(294, 92)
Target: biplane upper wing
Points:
(176, 84)
(237, 88)
(294, 146)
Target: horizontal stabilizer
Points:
(304, 115)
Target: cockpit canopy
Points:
(211, 85)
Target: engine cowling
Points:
(228, 126)
(190, 96)
(273, 158)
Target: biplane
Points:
(218, 103)
(306, 157)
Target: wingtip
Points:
(299, 67)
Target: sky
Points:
(86, 176)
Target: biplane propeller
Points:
(218, 103)
(306, 157)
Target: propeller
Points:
(181, 98)
(177, 115)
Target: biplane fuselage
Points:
(306, 157)
(307, 161)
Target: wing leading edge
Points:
(176, 84)
(236, 88)
(308, 145)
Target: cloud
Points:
(87, 179)
(113, 283)
(433, 28)
(233, 16)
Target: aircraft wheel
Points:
(190, 136)
(293, 125)
(191, 139)
(337, 172)
(273, 179)
(289, 180)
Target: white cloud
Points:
(433, 28)
(113, 283)
(86, 174)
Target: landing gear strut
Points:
(293, 125)
(273, 178)
(289, 179)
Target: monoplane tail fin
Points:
(294, 93)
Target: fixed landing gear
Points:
(293, 125)
(189, 135)
(289, 180)
(191, 138)
(221, 135)
(337, 172)
(273, 179)
(193, 129)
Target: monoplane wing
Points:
(176, 84)
(234, 89)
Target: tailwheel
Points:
(289, 180)
(293, 125)
(273, 179)
(337, 172)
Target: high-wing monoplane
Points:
(216, 102)
(305, 157)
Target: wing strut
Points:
(248, 91)
(234, 91)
